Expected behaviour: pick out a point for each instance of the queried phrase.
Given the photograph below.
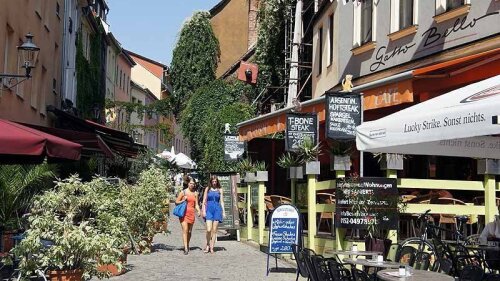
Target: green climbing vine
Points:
(269, 51)
(194, 59)
(160, 107)
(90, 92)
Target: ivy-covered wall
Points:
(90, 87)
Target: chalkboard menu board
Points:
(228, 184)
(284, 229)
(300, 126)
(343, 115)
(364, 201)
(233, 148)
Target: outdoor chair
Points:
(301, 263)
(393, 251)
(406, 255)
(443, 266)
(269, 209)
(327, 217)
(360, 275)
(422, 261)
(471, 273)
(307, 254)
(278, 200)
(337, 270)
(321, 268)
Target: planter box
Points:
(66, 275)
(262, 176)
(250, 177)
(295, 172)
(488, 167)
(7, 242)
(340, 162)
(391, 161)
(313, 168)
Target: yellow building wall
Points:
(27, 102)
(230, 25)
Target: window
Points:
(364, 27)
(58, 9)
(443, 6)
(8, 53)
(43, 93)
(403, 14)
(320, 50)
(366, 21)
(330, 37)
(70, 26)
(54, 86)
(120, 78)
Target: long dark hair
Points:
(187, 179)
(217, 185)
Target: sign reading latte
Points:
(233, 148)
(366, 201)
(343, 115)
(299, 127)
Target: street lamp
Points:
(28, 55)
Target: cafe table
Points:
(418, 275)
(352, 253)
(373, 263)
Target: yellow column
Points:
(261, 208)
(392, 234)
(339, 232)
(249, 212)
(489, 198)
(311, 211)
(292, 191)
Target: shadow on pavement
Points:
(282, 270)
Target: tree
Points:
(207, 99)
(213, 149)
(194, 59)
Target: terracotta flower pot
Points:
(66, 275)
(7, 241)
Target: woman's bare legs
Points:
(208, 235)
(215, 224)
(190, 228)
(185, 235)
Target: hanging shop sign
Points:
(300, 126)
(343, 115)
(233, 148)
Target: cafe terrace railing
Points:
(488, 186)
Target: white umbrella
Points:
(459, 123)
(183, 161)
(169, 156)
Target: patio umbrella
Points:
(462, 123)
(183, 161)
(21, 144)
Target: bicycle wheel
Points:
(421, 246)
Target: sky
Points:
(150, 27)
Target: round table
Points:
(418, 275)
(372, 263)
(352, 253)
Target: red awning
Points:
(19, 140)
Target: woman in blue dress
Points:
(213, 211)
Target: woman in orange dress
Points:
(190, 195)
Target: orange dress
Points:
(190, 211)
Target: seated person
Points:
(491, 232)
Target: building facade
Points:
(27, 101)
(234, 42)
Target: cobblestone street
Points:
(232, 260)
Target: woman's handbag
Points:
(180, 210)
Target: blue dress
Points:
(213, 208)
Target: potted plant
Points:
(340, 159)
(63, 236)
(308, 152)
(142, 207)
(247, 168)
(292, 163)
(261, 173)
(18, 185)
(390, 161)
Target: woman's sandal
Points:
(212, 251)
(207, 249)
